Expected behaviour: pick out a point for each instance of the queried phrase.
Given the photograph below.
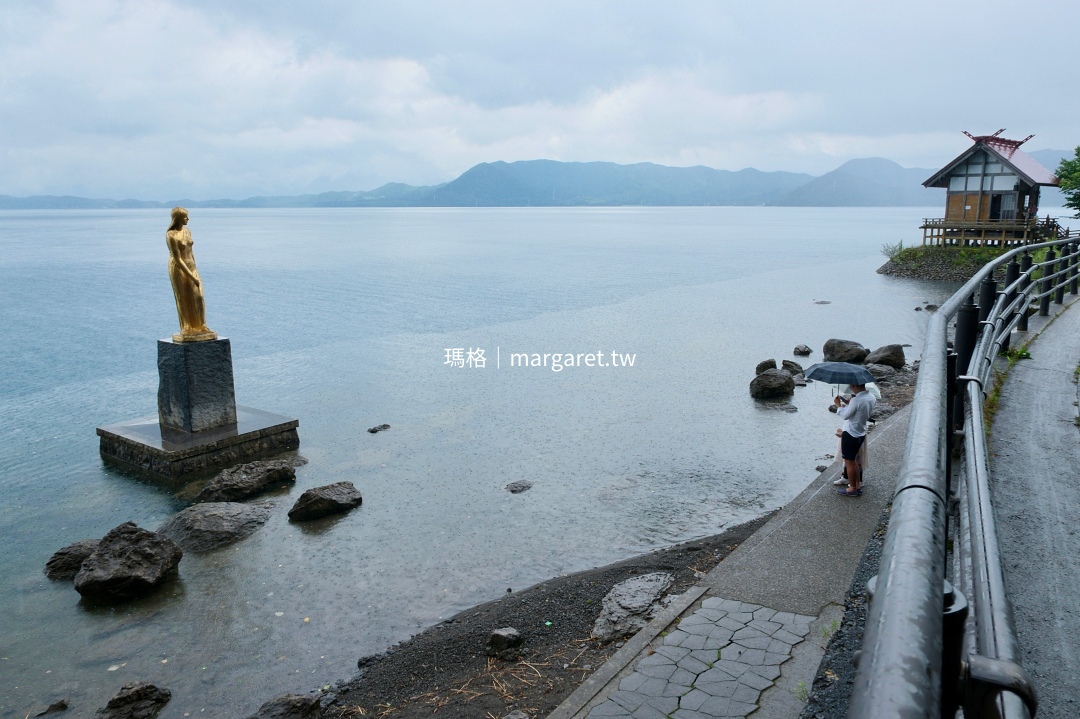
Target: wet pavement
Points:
(1035, 475)
(715, 663)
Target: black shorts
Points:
(849, 446)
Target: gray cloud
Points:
(163, 99)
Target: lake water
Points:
(343, 318)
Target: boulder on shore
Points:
(206, 526)
(765, 365)
(247, 480)
(891, 355)
(630, 605)
(772, 383)
(138, 700)
(883, 410)
(326, 500)
(881, 372)
(67, 562)
(290, 706)
(844, 351)
(802, 350)
(505, 644)
(129, 561)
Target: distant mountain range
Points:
(871, 182)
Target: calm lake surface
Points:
(342, 318)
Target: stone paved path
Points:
(714, 664)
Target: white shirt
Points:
(856, 413)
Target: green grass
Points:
(959, 256)
(993, 399)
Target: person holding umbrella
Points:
(855, 413)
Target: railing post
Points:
(1044, 286)
(1025, 264)
(1012, 273)
(967, 330)
(1062, 265)
(987, 295)
(1073, 263)
(956, 611)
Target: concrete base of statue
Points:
(199, 427)
(147, 445)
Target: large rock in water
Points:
(802, 350)
(128, 561)
(844, 351)
(290, 706)
(772, 383)
(630, 605)
(793, 368)
(67, 562)
(247, 480)
(323, 501)
(764, 365)
(139, 700)
(891, 355)
(206, 526)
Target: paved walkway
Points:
(750, 636)
(1035, 475)
(715, 664)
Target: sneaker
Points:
(841, 482)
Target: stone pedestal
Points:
(147, 445)
(195, 385)
(199, 427)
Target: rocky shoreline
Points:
(941, 264)
(446, 668)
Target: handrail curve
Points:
(910, 666)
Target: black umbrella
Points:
(839, 373)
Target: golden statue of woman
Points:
(187, 287)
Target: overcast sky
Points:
(168, 99)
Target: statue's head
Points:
(179, 218)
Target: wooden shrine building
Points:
(992, 196)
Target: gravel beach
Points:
(445, 669)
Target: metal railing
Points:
(924, 654)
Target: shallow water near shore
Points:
(343, 318)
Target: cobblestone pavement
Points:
(715, 664)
